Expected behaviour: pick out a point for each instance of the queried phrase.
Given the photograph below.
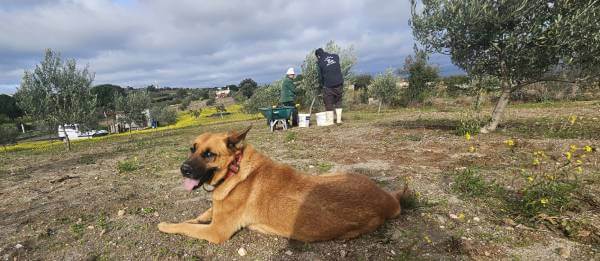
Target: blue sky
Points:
(192, 43)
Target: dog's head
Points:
(210, 157)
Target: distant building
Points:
(119, 126)
(222, 92)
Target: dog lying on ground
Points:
(251, 190)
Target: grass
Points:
(469, 183)
(324, 166)
(290, 136)
(77, 229)
(128, 165)
(184, 120)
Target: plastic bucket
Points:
(338, 115)
(303, 120)
(321, 118)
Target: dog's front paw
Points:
(165, 227)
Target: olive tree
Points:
(132, 107)
(58, 93)
(384, 88)
(309, 86)
(519, 42)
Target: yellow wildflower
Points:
(468, 136)
(587, 148)
(578, 161)
(569, 155)
(471, 149)
(579, 169)
(461, 216)
(544, 201)
(572, 119)
(536, 162)
(530, 179)
(426, 237)
(573, 148)
(509, 142)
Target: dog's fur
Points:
(273, 198)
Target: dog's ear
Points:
(234, 139)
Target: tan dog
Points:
(253, 191)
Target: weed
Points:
(77, 229)
(290, 136)
(127, 165)
(146, 211)
(87, 159)
(470, 183)
(102, 222)
(324, 166)
(413, 137)
(469, 122)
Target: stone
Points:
(121, 213)
(242, 251)
(564, 252)
(289, 252)
(343, 253)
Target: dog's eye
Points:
(207, 154)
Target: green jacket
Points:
(288, 91)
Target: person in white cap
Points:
(288, 93)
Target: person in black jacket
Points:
(331, 79)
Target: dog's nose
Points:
(186, 169)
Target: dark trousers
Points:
(332, 96)
(294, 114)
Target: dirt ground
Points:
(103, 200)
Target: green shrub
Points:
(127, 165)
(164, 115)
(265, 96)
(469, 122)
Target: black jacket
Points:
(330, 72)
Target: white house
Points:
(222, 92)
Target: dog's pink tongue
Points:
(190, 184)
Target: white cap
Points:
(290, 71)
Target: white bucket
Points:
(321, 118)
(303, 120)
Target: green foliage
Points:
(185, 104)
(133, 106)
(265, 96)
(469, 183)
(247, 87)
(469, 122)
(362, 81)
(77, 229)
(196, 113)
(9, 108)
(105, 95)
(324, 166)
(232, 87)
(308, 87)
(518, 42)
(290, 136)
(421, 77)
(8, 133)
(58, 93)
(164, 115)
(128, 165)
(384, 88)
(456, 84)
(181, 93)
(210, 101)
(198, 94)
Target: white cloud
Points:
(198, 43)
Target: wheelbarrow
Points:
(277, 115)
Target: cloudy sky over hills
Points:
(194, 43)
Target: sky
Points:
(194, 43)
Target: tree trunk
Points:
(67, 138)
(311, 105)
(498, 109)
(379, 110)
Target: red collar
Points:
(234, 166)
